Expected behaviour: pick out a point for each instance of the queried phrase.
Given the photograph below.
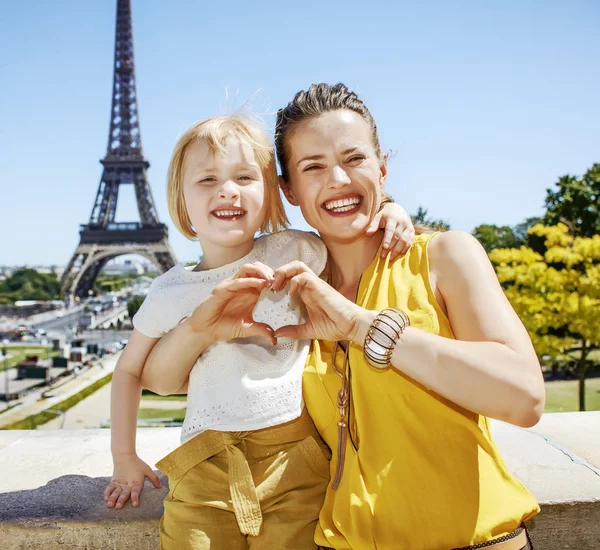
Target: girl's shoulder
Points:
(293, 245)
(173, 281)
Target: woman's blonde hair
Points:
(215, 131)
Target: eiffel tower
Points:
(103, 239)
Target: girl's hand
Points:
(331, 316)
(226, 313)
(399, 230)
(127, 482)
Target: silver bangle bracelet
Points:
(383, 335)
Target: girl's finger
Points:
(260, 330)
(238, 285)
(136, 490)
(374, 225)
(257, 270)
(395, 240)
(390, 227)
(109, 490)
(114, 496)
(153, 478)
(408, 236)
(123, 498)
(399, 248)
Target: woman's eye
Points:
(312, 167)
(356, 158)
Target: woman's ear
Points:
(383, 171)
(286, 188)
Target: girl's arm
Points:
(129, 470)
(170, 362)
(225, 314)
(399, 231)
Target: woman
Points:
(401, 395)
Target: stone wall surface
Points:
(52, 484)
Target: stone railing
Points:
(52, 482)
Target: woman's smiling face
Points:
(335, 174)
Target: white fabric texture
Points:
(246, 384)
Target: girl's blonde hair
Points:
(215, 131)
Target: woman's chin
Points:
(347, 233)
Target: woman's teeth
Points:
(342, 205)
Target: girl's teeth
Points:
(228, 213)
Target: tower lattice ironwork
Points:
(103, 239)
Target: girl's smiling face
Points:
(224, 195)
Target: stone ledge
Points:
(51, 493)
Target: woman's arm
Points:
(491, 368)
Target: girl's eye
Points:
(246, 178)
(208, 179)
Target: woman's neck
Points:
(348, 261)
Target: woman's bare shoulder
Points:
(456, 255)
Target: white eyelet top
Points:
(246, 384)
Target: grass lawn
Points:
(175, 414)
(147, 394)
(18, 354)
(563, 395)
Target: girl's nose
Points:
(229, 190)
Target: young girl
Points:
(251, 463)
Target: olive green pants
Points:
(246, 490)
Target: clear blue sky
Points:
(485, 103)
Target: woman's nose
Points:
(339, 177)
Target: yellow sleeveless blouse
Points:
(421, 473)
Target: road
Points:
(60, 325)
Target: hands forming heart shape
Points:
(226, 313)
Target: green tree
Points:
(520, 230)
(422, 218)
(557, 294)
(494, 236)
(576, 203)
(29, 284)
(133, 305)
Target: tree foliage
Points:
(557, 294)
(492, 237)
(422, 218)
(29, 284)
(133, 305)
(576, 203)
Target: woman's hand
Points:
(331, 316)
(399, 230)
(226, 313)
(127, 482)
